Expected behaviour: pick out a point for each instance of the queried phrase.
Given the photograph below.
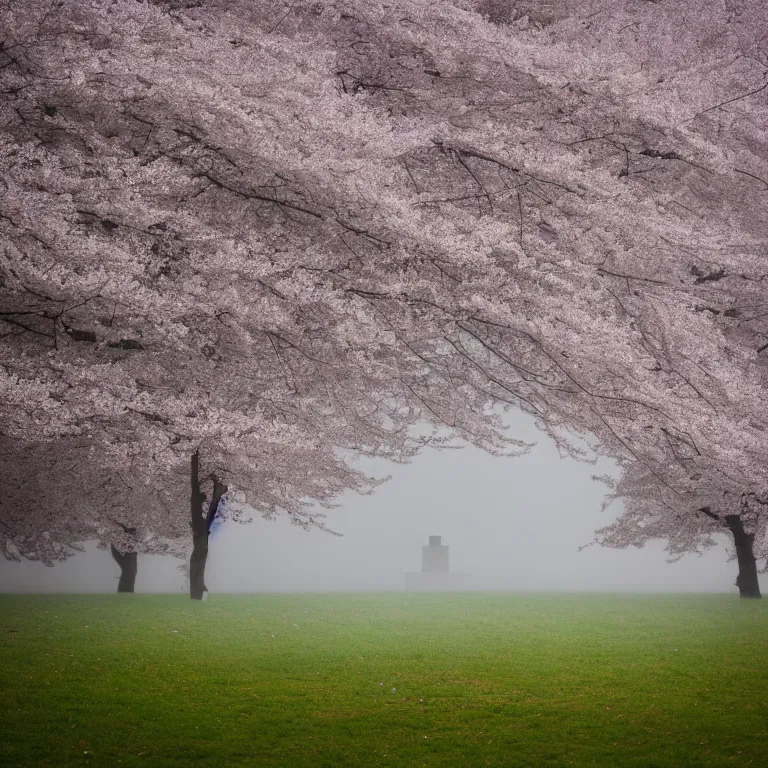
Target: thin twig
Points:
(730, 101)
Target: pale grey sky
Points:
(511, 523)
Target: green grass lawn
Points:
(388, 679)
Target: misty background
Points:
(511, 523)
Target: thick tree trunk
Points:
(746, 581)
(129, 565)
(201, 525)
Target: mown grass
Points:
(491, 679)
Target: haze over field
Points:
(511, 523)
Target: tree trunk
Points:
(746, 581)
(201, 525)
(197, 566)
(129, 565)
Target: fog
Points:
(510, 523)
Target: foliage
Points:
(163, 300)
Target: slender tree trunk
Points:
(129, 564)
(197, 566)
(746, 581)
(201, 525)
(199, 534)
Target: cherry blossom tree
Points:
(694, 78)
(687, 520)
(229, 218)
(625, 295)
(62, 493)
(170, 312)
(59, 494)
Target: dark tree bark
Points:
(746, 581)
(129, 565)
(201, 526)
(199, 534)
(197, 566)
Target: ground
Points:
(391, 679)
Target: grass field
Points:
(486, 679)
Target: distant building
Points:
(434, 557)
(435, 574)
